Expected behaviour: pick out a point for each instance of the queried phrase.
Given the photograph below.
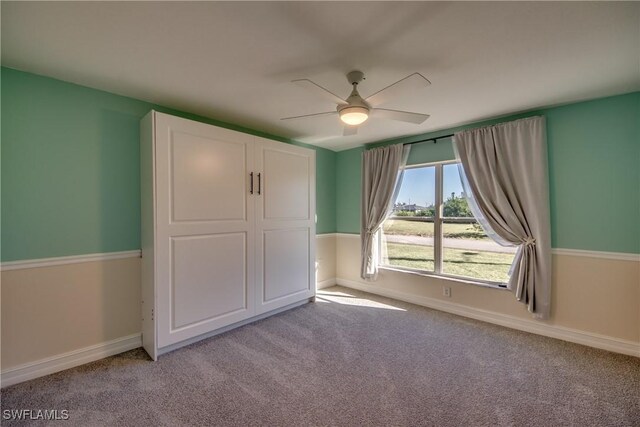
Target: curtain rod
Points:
(435, 140)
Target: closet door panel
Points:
(206, 182)
(286, 262)
(286, 186)
(207, 284)
(228, 229)
(205, 228)
(285, 225)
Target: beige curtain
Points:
(507, 178)
(382, 170)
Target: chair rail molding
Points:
(73, 259)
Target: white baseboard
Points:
(326, 283)
(603, 342)
(47, 366)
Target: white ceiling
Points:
(234, 61)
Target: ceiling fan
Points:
(355, 110)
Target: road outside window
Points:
(432, 230)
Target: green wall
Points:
(431, 152)
(594, 173)
(325, 190)
(349, 166)
(70, 169)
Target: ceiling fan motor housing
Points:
(356, 110)
(355, 101)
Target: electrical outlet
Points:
(446, 291)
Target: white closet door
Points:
(285, 225)
(205, 228)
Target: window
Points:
(432, 230)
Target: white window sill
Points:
(467, 281)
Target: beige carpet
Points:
(350, 359)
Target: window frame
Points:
(438, 249)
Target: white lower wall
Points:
(595, 299)
(61, 312)
(52, 310)
(325, 260)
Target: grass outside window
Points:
(441, 236)
(489, 266)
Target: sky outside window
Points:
(418, 185)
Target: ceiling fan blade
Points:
(328, 113)
(403, 116)
(409, 84)
(319, 90)
(350, 130)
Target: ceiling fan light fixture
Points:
(354, 115)
(354, 110)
